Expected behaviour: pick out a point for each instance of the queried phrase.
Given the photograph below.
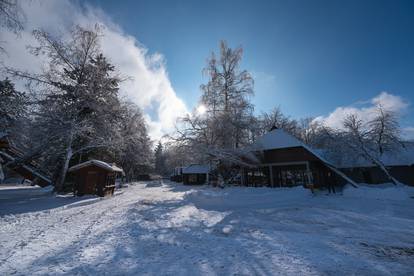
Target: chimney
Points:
(273, 128)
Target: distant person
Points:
(331, 185)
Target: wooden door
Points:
(91, 182)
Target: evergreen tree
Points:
(12, 105)
(160, 159)
(135, 151)
(78, 104)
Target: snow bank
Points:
(248, 197)
(189, 215)
(381, 191)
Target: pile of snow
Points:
(189, 215)
(381, 191)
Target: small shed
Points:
(95, 177)
(195, 174)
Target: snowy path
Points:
(170, 229)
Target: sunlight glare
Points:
(201, 109)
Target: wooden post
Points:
(271, 176)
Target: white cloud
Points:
(149, 87)
(408, 133)
(366, 112)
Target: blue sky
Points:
(312, 58)
(309, 57)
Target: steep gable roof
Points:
(276, 139)
(196, 168)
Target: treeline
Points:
(72, 111)
(218, 131)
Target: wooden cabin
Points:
(284, 161)
(195, 174)
(95, 177)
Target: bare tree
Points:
(227, 125)
(226, 97)
(384, 130)
(276, 119)
(11, 17)
(357, 138)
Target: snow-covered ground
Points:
(167, 229)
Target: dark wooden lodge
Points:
(95, 177)
(286, 162)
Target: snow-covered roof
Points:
(403, 156)
(276, 139)
(98, 163)
(196, 168)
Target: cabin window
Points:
(258, 177)
(289, 176)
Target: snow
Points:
(195, 168)
(383, 191)
(403, 156)
(99, 163)
(161, 228)
(276, 139)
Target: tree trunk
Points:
(379, 164)
(1, 174)
(385, 170)
(61, 179)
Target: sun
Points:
(201, 109)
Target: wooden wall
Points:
(94, 180)
(194, 179)
(295, 154)
(374, 175)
